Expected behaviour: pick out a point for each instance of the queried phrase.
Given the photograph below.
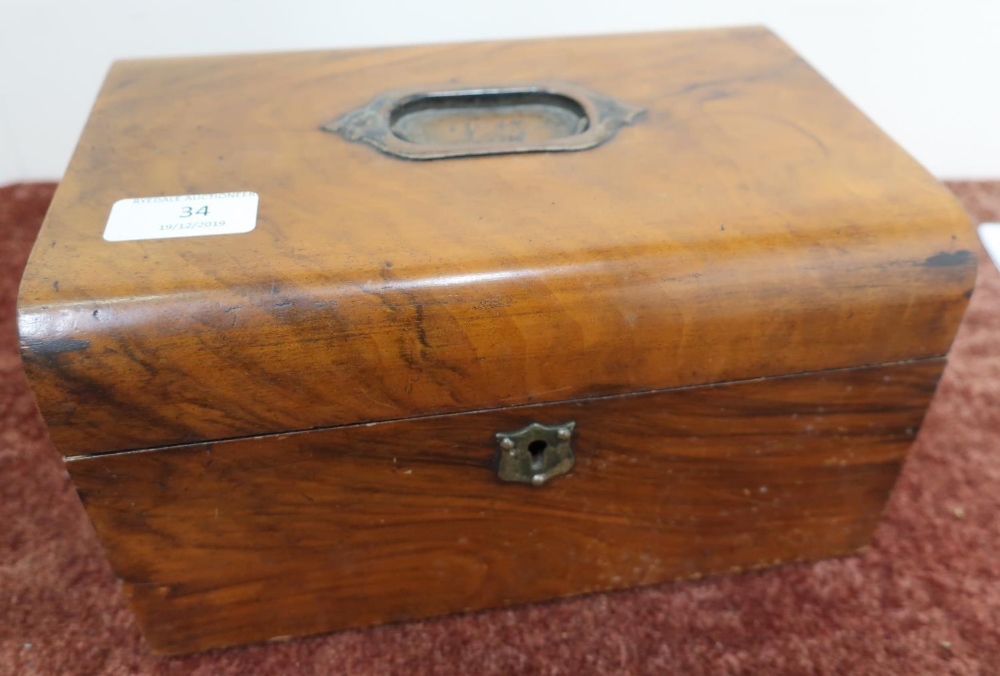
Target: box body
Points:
(285, 535)
(739, 290)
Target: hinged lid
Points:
(750, 223)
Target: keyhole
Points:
(537, 450)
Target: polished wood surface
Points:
(293, 534)
(754, 223)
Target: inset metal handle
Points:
(419, 124)
(535, 454)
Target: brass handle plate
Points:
(422, 124)
(535, 454)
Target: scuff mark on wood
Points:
(56, 346)
(948, 258)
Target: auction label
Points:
(224, 213)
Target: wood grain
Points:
(753, 224)
(293, 534)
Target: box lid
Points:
(752, 223)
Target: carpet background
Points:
(923, 599)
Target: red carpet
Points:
(924, 599)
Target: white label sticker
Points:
(224, 213)
(989, 233)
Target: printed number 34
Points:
(190, 211)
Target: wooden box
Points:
(335, 339)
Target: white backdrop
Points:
(927, 71)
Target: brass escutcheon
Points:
(535, 454)
(434, 124)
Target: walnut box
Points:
(334, 339)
